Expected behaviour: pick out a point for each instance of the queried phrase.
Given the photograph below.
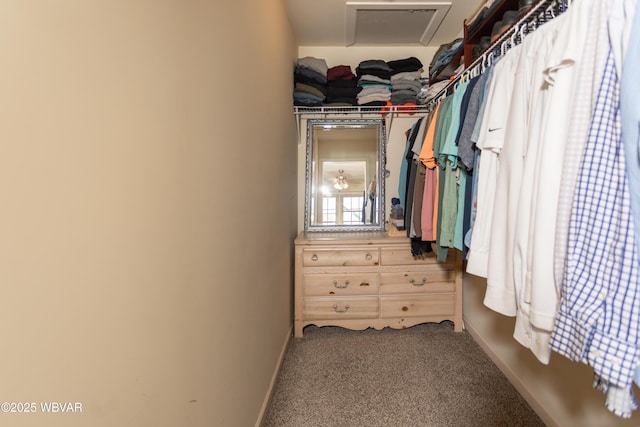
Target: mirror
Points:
(344, 163)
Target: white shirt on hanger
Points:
(490, 141)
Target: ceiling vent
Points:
(397, 23)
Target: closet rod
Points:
(537, 15)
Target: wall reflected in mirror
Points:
(345, 159)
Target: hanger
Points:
(475, 71)
(550, 11)
(516, 31)
(522, 31)
(503, 47)
(484, 64)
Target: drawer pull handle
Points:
(314, 257)
(346, 283)
(405, 308)
(335, 308)
(422, 283)
(368, 256)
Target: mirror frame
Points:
(382, 157)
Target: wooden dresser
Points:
(367, 279)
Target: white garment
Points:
(524, 332)
(500, 294)
(588, 80)
(490, 141)
(563, 61)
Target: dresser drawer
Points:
(402, 256)
(418, 305)
(340, 308)
(339, 258)
(436, 279)
(340, 284)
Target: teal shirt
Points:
(450, 144)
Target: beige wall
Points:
(148, 205)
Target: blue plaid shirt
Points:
(598, 321)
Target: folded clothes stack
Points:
(342, 86)
(442, 64)
(375, 83)
(310, 78)
(374, 79)
(406, 83)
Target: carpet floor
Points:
(427, 375)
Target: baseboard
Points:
(512, 376)
(274, 379)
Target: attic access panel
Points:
(400, 23)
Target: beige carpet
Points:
(426, 375)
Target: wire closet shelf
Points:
(360, 109)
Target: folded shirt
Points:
(301, 87)
(412, 85)
(401, 99)
(371, 98)
(343, 92)
(306, 99)
(383, 74)
(375, 64)
(342, 83)
(445, 56)
(403, 65)
(407, 75)
(370, 78)
(446, 50)
(375, 90)
(304, 75)
(340, 72)
(315, 64)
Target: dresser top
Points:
(357, 237)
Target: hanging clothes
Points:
(489, 141)
(552, 205)
(430, 195)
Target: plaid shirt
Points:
(599, 317)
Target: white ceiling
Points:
(324, 22)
